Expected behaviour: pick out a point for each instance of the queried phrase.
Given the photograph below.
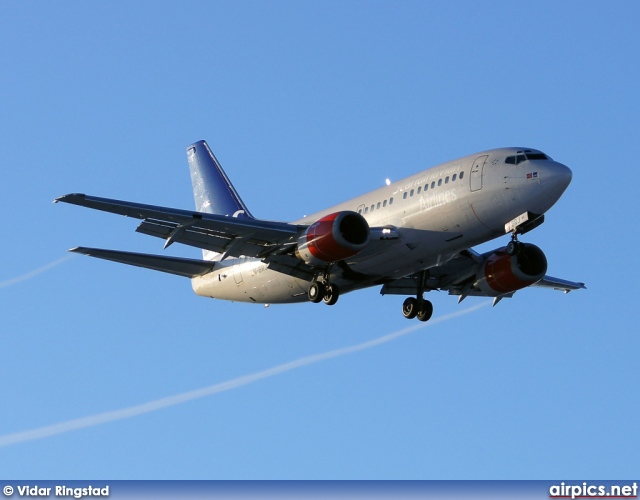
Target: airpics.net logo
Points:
(586, 490)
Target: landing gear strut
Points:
(418, 307)
(514, 246)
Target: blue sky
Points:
(306, 104)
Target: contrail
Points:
(158, 404)
(40, 270)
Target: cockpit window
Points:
(536, 156)
(514, 160)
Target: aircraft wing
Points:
(453, 276)
(458, 274)
(273, 242)
(230, 236)
(559, 284)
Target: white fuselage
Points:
(437, 212)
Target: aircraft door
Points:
(477, 172)
(237, 272)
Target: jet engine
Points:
(503, 273)
(334, 237)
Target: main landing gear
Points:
(418, 307)
(323, 291)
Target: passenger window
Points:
(411, 194)
(366, 210)
(384, 203)
(372, 207)
(378, 206)
(391, 201)
(404, 196)
(446, 181)
(453, 179)
(433, 184)
(461, 175)
(419, 189)
(426, 186)
(359, 210)
(439, 182)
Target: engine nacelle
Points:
(503, 273)
(332, 238)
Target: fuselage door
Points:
(237, 271)
(477, 170)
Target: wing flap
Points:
(188, 268)
(193, 236)
(402, 286)
(292, 266)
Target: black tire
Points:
(426, 311)
(316, 292)
(331, 294)
(410, 308)
(513, 247)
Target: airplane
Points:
(409, 237)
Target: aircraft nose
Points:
(559, 175)
(555, 176)
(543, 185)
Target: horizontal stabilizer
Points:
(188, 268)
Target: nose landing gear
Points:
(514, 246)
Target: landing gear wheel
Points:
(331, 294)
(316, 292)
(514, 247)
(410, 308)
(425, 311)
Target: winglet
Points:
(212, 189)
(69, 198)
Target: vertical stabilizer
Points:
(212, 189)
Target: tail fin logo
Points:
(212, 190)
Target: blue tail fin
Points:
(212, 189)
